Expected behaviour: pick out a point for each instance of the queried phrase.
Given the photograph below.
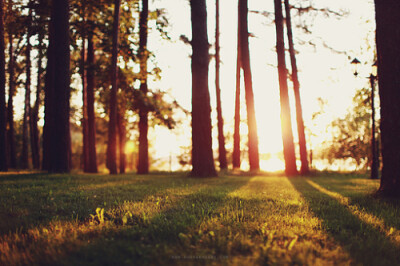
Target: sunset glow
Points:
(323, 73)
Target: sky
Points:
(323, 73)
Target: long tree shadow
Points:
(36, 200)
(164, 234)
(365, 243)
(360, 194)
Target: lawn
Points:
(326, 219)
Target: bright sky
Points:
(323, 73)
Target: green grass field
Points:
(326, 219)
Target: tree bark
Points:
(34, 117)
(91, 119)
(388, 50)
(3, 134)
(202, 155)
(112, 125)
(221, 138)
(57, 149)
(30, 114)
(287, 135)
(49, 102)
(10, 110)
(143, 162)
(122, 141)
(27, 107)
(304, 169)
(85, 131)
(254, 159)
(236, 134)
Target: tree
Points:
(112, 125)
(122, 141)
(388, 51)
(202, 156)
(34, 113)
(57, 139)
(85, 131)
(12, 157)
(3, 132)
(221, 137)
(254, 159)
(85, 25)
(350, 134)
(236, 134)
(27, 107)
(287, 135)
(91, 119)
(304, 169)
(48, 103)
(143, 160)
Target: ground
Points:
(324, 219)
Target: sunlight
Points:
(130, 147)
(378, 223)
(272, 165)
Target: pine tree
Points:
(388, 50)
(296, 87)
(3, 134)
(236, 134)
(57, 138)
(112, 125)
(221, 138)
(287, 135)
(202, 156)
(143, 160)
(254, 158)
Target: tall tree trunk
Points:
(3, 120)
(221, 138)
(287, 135)
(236, 134)
(254, 159)
(10, 110)
(48, 128)
(112, 125)
(91, 121)
(122, 141)
(143, 162)
(85, 133)
(27, 108)
(387, 42)
(34, 117)
(304, 169)
(57, 149)
(32, 121)
(202, 154)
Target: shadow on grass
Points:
(365, 244)
(164, 238)
(386, 209)
(34, 200)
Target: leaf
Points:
(124, 220)
(291, 244)
(182, 236)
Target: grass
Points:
(331, 219)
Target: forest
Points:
(193, 132)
